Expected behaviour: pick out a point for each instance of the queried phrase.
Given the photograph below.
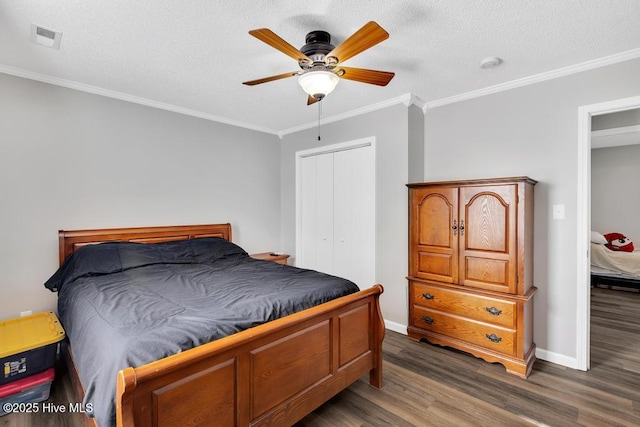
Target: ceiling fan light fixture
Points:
(321, 61)
(318, 83)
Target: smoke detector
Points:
(490, 62)
(45, 36)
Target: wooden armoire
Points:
(471, 268)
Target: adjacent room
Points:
(615, 280)
(319, 213)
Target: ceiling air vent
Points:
(45, 36)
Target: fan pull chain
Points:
(319, 115)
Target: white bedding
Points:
(614, 262)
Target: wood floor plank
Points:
(428, 385)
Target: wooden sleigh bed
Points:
(272, 374)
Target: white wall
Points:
(390, 127)
(533, 131)
(615, 193)
(72, 160)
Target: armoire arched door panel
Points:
(434, 239)
(488, 252)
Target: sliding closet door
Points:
(337, 214)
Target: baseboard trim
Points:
(558, 359)
(396, 327)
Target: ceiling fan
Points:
(321, 62)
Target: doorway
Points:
(583, 220)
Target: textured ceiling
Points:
(193, 55)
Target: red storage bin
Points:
(32, 389)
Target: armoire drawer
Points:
(488, 336)
(485, 309)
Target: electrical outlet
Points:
(26, 313)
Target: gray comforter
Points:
(128, 304)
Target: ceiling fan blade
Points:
(369, 35)
(274, 40)
(311, 100)
(374, 77)
(270, 79)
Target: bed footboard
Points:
(273, 374)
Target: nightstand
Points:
(278, 257)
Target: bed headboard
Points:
(70, 240)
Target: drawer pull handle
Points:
(493, 337)
(427, 295)
(493, 310)
(427, 319)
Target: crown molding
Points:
(418, 102)
(411, 99)
(407, 100)
(18, 72)
(537, 78)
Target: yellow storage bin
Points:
(28, 345)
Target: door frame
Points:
(583, 220)
(325, 149)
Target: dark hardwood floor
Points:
(427, 385)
